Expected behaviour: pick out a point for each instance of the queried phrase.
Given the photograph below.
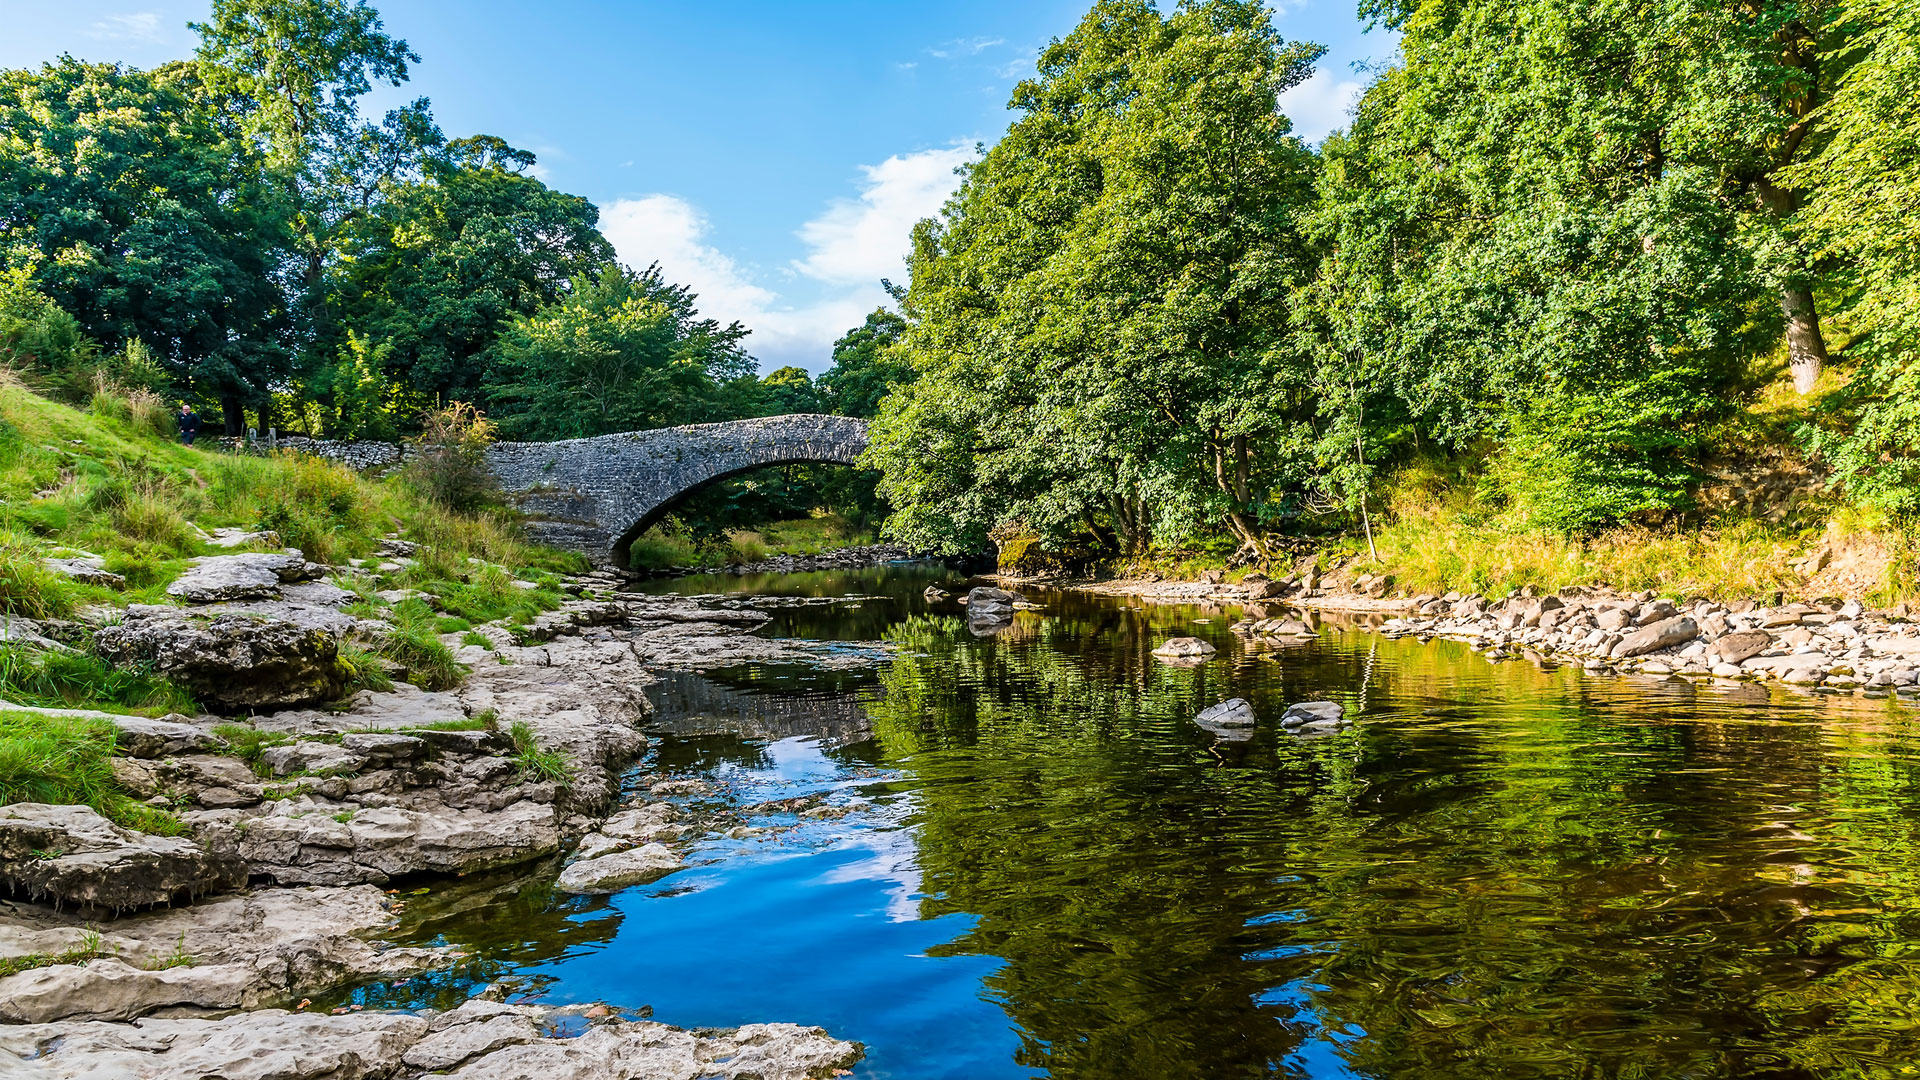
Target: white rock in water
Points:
(1234, 712)
(618, 870)
(1314, 714)
(1184, 646)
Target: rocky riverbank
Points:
(1832, 646)
(131, 954)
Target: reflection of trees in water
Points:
(1505, 872)
(685, 704)
(503, 919)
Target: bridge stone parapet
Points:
(598, 494)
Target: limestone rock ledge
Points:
(480, 1040)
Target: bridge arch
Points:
(599, 494)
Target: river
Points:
(1017, 856)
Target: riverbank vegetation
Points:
(1595, 292)
(1569, 283)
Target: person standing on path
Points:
(189, 423)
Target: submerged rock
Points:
(1314, 714)
(70, 855)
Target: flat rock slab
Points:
(139, 737)
(73, 856)
(87, 570)
(257, 575)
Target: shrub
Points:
(449, 463)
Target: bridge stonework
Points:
(597, 495)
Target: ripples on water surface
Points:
(1500, 871)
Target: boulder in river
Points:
(1231, 720)
(987, 603)
(72, 856)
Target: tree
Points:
(1099, 317)
(865, 366)
(1545, 95)
(143, 214)
(620, 352)
(789, 390)
(1865, 187)
(436, 269)
(295, 71)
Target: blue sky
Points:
(770, 154)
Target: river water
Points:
(1017, 856)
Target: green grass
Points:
(661, 547)
(248, 743)
(535, 762)
(430, 664)
(63, 680)
(67, 761)
(87, 949)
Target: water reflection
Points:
(1502, 870)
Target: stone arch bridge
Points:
(599, 494)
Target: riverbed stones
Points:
(1660, 634)
(230, 660)
(618, 870)
(72, 856)
(1741, 644)
(256, 575)
(1234, 712)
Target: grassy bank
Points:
(1849, 555)
(106, 481)
(663, 547)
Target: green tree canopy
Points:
(866, 367)
(620, 352)
(1099, 316)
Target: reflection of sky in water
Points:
(817, 926)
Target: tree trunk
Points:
(233, 415)
(1806, 348)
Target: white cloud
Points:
(964, 47)
(850, 246)
(142, 26)
(859, 241)
(1319, 105)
